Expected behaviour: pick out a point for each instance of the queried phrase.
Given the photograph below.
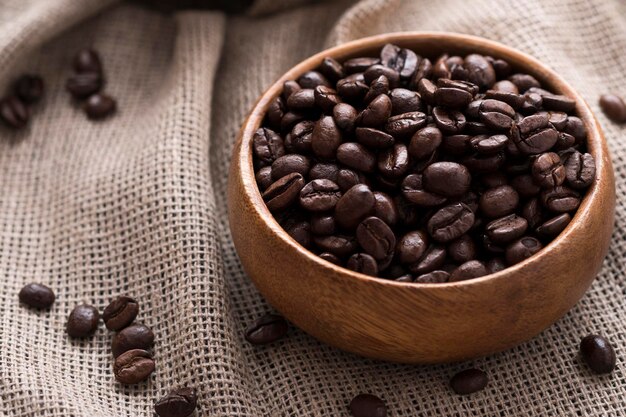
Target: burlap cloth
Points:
(136, 205)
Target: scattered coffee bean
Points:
(427, 171)
(469, 381)
(99, 106)
(267, 329)
(614, 107)
(180, 402)
(120, 313)
(84, 84)
(87, 60)
(29, 88)
(368, 405)
(13, 112)
(135, 336)
(598, 354)
(133, 366)
(83, 321)
(37, 296)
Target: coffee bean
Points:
(404, 278)
(524, 81)
(377, 70)
(266, 329)
(376, 238)
(300, 140)
(321, 170)
(135, 336)
(448, 179)
(289, 120)
(120, 312)
(551, 228)
(37, 296)
(405, 124)
(99, 106)
(347, 178)
(413, 191)
(302, 100)
(290, 87)
(84, 84)
(485, 144)
(339, 245)
(548, 171)
(533, 134)
(580, 170)
(404, 101)
(462, 249)
(368, 405)
(455, 145)
(345, 116)
(363, 263)
(456, 98)
(525, 186)
(300, 232)
(312, 79)
(449, 121)
(360, 64)
(433, 277)
(356, 156)
(532, 213)
(521, 249)
(499, 201)
(276, 111)
(376, 113)
(468, 270)
(13, 112)
(427, 90)
(284, 192)
(289, 164)
(323, 224)
(330, 258)
(496, 114)
(331, 69)
(267, 146)
(133, 366)
(480, 71)
(356, 204)
(319, 195)
(450, 222)
(394, 162)
(494, 180)
(29, 88)
(598, 354)
(87, 60)
(374, 138)
(404, 61)
(558, 102)
(560, 199)
(504, 86)
(83, 321)
(378, 86)
(352, 90)
(469, 381)
(326, 98)
(506, 229)
(614, 107)
(180, 402)
(496, 265)
(326, 138)
(424, 142)
(434, 257)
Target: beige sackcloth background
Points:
(136, 204)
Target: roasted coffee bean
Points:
(402, 60)
(462, 249)
(87, 60)
(376, 113)
(377, 70)
(276, 111)
(374, 138)
(504, 86)
(347, 178)
(469, 381)
(385, 208)
(532, 103)
(614, 107)
(331, 69)
(376, 238)
(412, 246)
(427, 90)
(84, 84)
(521, 249)
(300, 231)
(83, 321)
(433, 259)
(424, 142)
(481, 164)
(356, 204)
(449, 121)
(404, 101)
(290, 87)
(345, 116)
(356, 156)
(133, 366)
(180, 402)
(363, 263)
(534, 135)
(532, 212)
(352, 90)
(354, 65)
(37, 296)
(266, 329)
(99, 106)
(551, 228)
(485, 144)
(336, 244)
(560, 199)
(496, 265)
(580, 170)
(480, 71)
(377, 87)
(468, 270)
(300, 140)
(506, 229)
(312, 79)
(289, 120)
(326, 98)
(404, 278)
(597, 352)
(548, 171)
(289, 164)
(135, 336)
(413, 191)
(441, 69)
(524, 82)
(516, 101)
(267, 145)
(450, 222)
(319, 195)
(326, 138)
(424, 70)
(405, 124)
(456, 98)
(433, 277)
(13, 112)
(120, 312)
(29, 88)
(368, 405)
(323, 224)
(496, 114)
(448, 179)
(557, 102)
(302, 100)
(330, 258)
(284, 192)
(525, 186)
(394, 162)
(499, 201)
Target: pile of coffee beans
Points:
(86, 84)
(614, 107)
(15, 107)
(425, 171)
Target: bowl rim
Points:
(595, 143)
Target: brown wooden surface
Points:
(421, 323)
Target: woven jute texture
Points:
(136, 204)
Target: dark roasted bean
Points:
(404, 101)
(180, 402)
(404, 61)
(506, 229)
(376, 113)
(323, 224)
(427, 90)
(359, 64)
(13, 112)
(266, 329)
(405, 124)
(469, 381)
(468, 270)
(485, 144)
(378, 86)
(276, 111)
(84, 84)
(521, 249)
(385, 208)
(499, 201)
(352, 90)
(496, 265)
(267, 146)
(413, 191)
(319, 195)
(374, 138)
(597, 352)
(135, 336)
(345, 116)
(363, 263)
(289, 164)
(450, 222)
(37, 296)
(322, 170)
(533, 134)
(87, 60)
(424, 142)
(356, 156)
(412, 246)
(83, 321)
(326, 98)
(433, 277)
(99, 106)
(448, 179)
(336, 244)
(325, 138)
(394, 162)
(312, 79)
(120, 312)
(614, 107)
(29, 88)
(524, 81)
(330, 258)
(331, 69)
(552, 227)
(560, 199)
(580, 170)
(133, 366)
(284, 192)
(290, 87)
(525, 186)
(480, 71)
(449, 121)
(368, 405)
(548, 171)
(377, 70)
(456, 145)
(462, 249)
(301, 100)
(356, 204)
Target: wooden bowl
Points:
(409, 322)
